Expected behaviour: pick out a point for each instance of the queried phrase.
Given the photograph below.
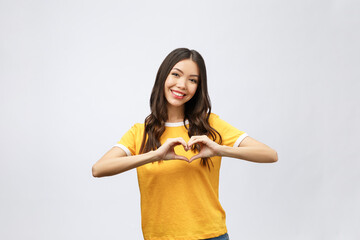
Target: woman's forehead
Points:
(187, 66)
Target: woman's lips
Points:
(177, 94)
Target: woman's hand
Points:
(166, 151)
(208, 148)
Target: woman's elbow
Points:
(274, 157)
(95, 171)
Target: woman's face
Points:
(181, 83)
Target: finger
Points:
(170, 142)
(197, 140)
(193, 138)
(177, 141)
(185, 145)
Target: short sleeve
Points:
(231, 136)
(128, 141)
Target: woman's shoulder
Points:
(137, 124)
(137, 127)
(216, 121)
(213, 117)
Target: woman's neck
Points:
(175, 114)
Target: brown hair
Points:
(197, 109)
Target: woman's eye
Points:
(175, 74)
(193, 80)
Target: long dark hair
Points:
(197, 109)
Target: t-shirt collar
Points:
(176, 124)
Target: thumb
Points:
(179, 157)
(195, 157)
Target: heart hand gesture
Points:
(166, 151)
(208, 147)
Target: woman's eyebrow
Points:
(193, 75)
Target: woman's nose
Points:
(181, 83)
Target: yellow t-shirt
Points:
(180, 200)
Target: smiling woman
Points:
(180, 87)
(177, 153)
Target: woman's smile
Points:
(177, 94)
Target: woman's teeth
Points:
(178, 94)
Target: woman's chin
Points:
(176, 104)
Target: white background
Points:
(76, 75)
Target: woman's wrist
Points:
(220, 150)
(224, 150)
(153, 156)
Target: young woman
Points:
(177, 153)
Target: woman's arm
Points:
(116, 161)
(249, 149)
